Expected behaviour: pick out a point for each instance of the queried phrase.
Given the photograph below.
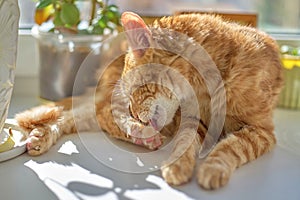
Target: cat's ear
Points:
(137, 32)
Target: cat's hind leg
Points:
(230, 153)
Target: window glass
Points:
(26, 13)
(274, 16)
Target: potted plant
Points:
(68, 31)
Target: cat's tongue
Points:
(148, 138)
(154, 124)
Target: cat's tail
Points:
(38, 116)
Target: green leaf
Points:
(110, 15)
(103, 22)
(57, 20)
(69, 14)
(43, 3)
(113, 17)
(113, 8)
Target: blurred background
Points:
(279, 18)
(274, 16)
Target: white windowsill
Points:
(263, 177)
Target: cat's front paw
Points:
(213, 175)
(39, 141)
(178, 172)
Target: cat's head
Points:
(151, 102)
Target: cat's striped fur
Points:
(249, 64)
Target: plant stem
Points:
(94, 2)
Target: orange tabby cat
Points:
(248, 62)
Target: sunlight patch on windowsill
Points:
(74, 182)
(58, 177)
(68, 148)
(165, 191)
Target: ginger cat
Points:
(248, 62)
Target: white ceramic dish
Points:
(20, 144)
